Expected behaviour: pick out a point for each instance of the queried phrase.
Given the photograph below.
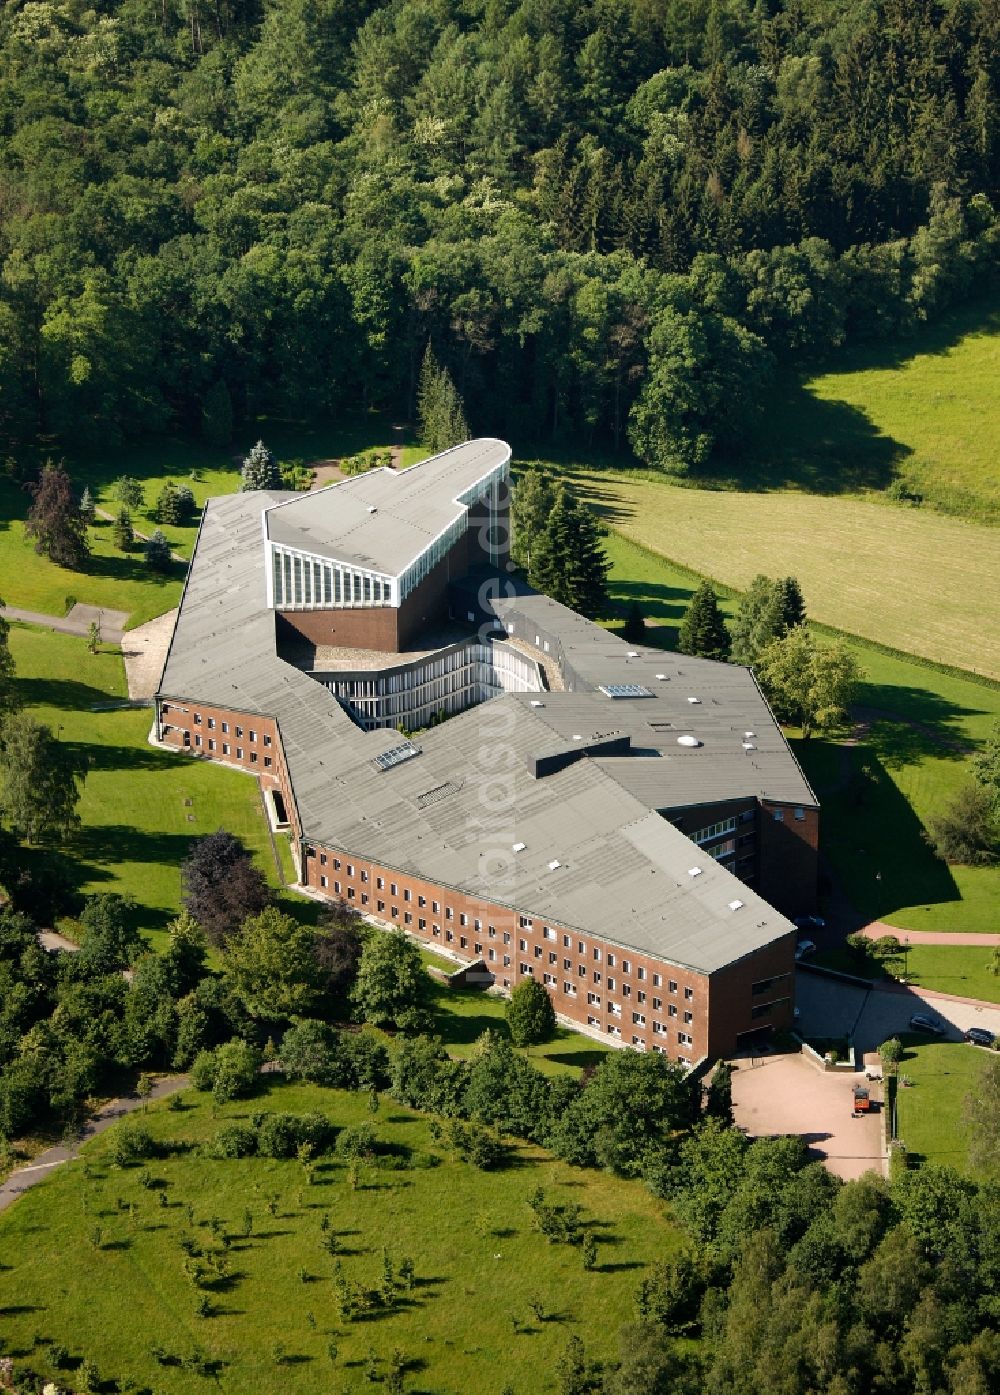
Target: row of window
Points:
(251, 735)
(300, 581)
(227, 750)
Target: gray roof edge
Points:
(788, 747)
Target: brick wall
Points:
(737, 1011)
(789, 857)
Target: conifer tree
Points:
(439, 407)
(703, 632)
(55, 521)
(123, 530)
(569, 562)
(87, 510)
(158, 552)
(793, 607)
(260, 469)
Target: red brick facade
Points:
(687, 1015)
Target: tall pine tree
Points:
(568, 561)
(703, 632)
(260, 469)
(439, 407)
(759, 619)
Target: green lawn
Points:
(929, 1112)
(462, 1015)
(924, 411)
(140, 807)
(121, 581)
(959, 969)
(115, 580)
(479, 1262)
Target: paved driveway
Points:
(785, 1094)
(830, 1008)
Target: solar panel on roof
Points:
(625, 690)
(396, 755)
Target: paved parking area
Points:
(784, 1094)
(830, 1008)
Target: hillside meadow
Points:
(492, 1305)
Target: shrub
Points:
(282, 1135)
(131, 1143)
(203, 1070)
(124, 533)
(234, 1140)
(530, 1014)
(237, 1064)
(476, 1145)
(967, 831)
(356, 1142)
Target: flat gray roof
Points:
(384, 520)
(453, 813)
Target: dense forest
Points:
(612, 218)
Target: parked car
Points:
(980, 1036)
(920, 1022)
(803, 948)
(809, 922)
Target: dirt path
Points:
(145, 653)
(109, 1114)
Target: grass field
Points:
(929, 1113)
(120, 581)
(467, 1325)
(924, 412)
(140, 807)
(908, 578)
(922, 720)
(959, 969)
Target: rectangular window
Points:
(493, 954)
(626, 990)
(253, 757)
(611, 962)
(379, 884)
(638, 1019)
(421, 900)
(506, 961)
(671, 1009)
(422, 924)
(322, 881)
(380, 905)
(267, 740)
(656, 980)
(407, 917)
(640, 972)
(322, 859)
(688, 994)
(657, 1003)
(239, 752)
(350, 869)
(197, 719)
(225, 748)
(597, 976)
(225, 726)
(336, 864)
(239, 733)
(267, 762)
(350, 893)
(538, 951)
(436, 907)
(581, 971)
(641, 996)
(394, 912)
(626, 967)
(611, 985)
(407, 893)
(525, 922)
(197, 739)
(253, 736)
(548, 979)
(462, 940)
(364, 876)
(672, 985)
(597, 954)
(211, 744)
(463, 919)
(211, 723)
(336, 887)
(567, 963)
(800, 815)
(566, 942)
(548, 933)
(364, 898)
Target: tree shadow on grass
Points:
(875, 841)
(583, 1059)
(64, 693)
(119, 842)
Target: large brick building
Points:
(626, 825)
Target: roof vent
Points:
(694, 871)
(518, 847)
(553, 865)
(688, 741)
(372, 508)
(694, 699)
(536, 702)
(748, 734)
(577, 737)
(663, 678)
(633, 653)
(736, 905)
(749, 746)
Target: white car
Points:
(803, 948)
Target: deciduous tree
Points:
(40, 780)
(531, 1018)
(806, 683)
(392, 987)
(221, 886)
(271, 966)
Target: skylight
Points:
(625, 690)
(396, 755)
(688, 741)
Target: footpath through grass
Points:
(493, 1303)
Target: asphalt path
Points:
(40, 1167)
